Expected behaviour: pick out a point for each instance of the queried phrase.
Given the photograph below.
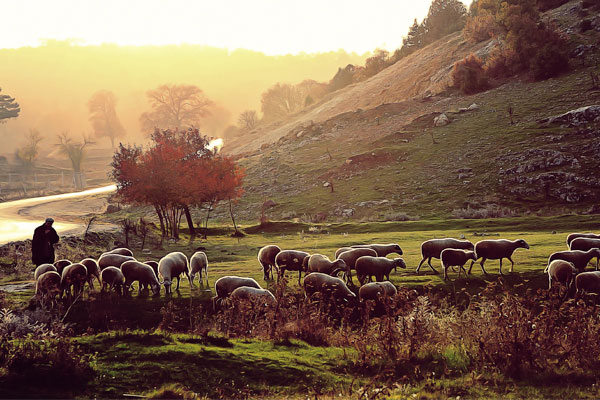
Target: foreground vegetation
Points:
(476, 337)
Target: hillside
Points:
(375, 143)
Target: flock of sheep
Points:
(118, 269)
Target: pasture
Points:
(139, 344)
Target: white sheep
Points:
(93, 270)
(433, 249)
(172, 266)
(199, 265)
(74, 277)
(588, 282)
(225, 285)
(112, 277)
(112, 260)
(48, 288)
(561, 271)
(456, 258)
(497, 250)
(43, 268)
(266, 258)
(141, 272)
(379, 267)
(258, 297)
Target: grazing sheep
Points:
(61, 264)
(350, 256)
(585, 244)
(266, 258)
(381, 249)
(172, 266)
(561, 271)
(497, 250)
(93, 271)
(342, 250)
(579, 258)
(47, 287)
(258, 297)
(380, 267)
(291, 260)
(328, 286)
(153, 264)
(376, 291)
(433, 249)
(588, 282)
(112, 260)
(141, 272)
(573, 236)
(225, 285)
(74, 277)
(43, 268)
(199, 265)
(321, 263)
(112, 277)
(456, 258)
(123, 251)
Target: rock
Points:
(577, 117)
(112, 208)
(299, 134)
(326, 184)
(465, 170)
(473, 107)
(347, 212)
(441, 120)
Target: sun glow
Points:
(270, 26)
(215, 144)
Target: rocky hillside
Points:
(373, 151)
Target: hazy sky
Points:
(270, 26)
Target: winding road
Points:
(19, 218)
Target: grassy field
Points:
(140, 345)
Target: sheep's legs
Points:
(299, 276)
(512, 264)
(421, 263)
(549, 283)
(483, 262)
(500, 268)
(178, 280)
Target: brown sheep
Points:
(342, 250)
(321, 263)
(585, 244)
(381, 249)
(579, 258)
(48, 288)
(112, 277)
(350, 256)
(258, 297)
(573, 236)
(153, 264)
(329, 286)
(93, 271)
(291, 260)
(433, 249)
(456, 258)
(123, 251)
(43, 268)
(141, 272)
(380, 267)
(225, 285)
(376, 290)
(588, 282)
(266, 258)
(112, 260)
(497, 250)
(74, 277)
(61, 264)
(561, 271)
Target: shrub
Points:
(489, 211)
(468, 75)
(545, 5)
(549, 61)
(585, 25)
(502, 63)
(480, 27)
(399, 216)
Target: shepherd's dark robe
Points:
(42, 245)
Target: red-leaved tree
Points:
(176, 172)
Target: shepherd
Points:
(42, 245)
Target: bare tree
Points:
(8, 107)
(248, 119)
(28, 153)
(175, 106)
(281, 100)
(75, 151)
(103, 116)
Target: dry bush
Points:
(480, 27)
(488, 211)
(550, 60)
(468, 75)
(502, 63)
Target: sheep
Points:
(73, 277)
(376, 290)
(588, 282)
(93, 271)
(258, 297)
(47, 287)
(573, 236)
(153, 264)
(342, 250)
(112, 277)
(225, 285)
(456, 258)
(381, 249)
(497, 250)
(112, 260)
(585, 244)
(172, 266)
(291, 260)
(199, 264)
(266, 258)
(123, 251)
(350, 256)
(433, 249)
(321, 263)
(579, 258)
(61, 264)
(43, 268)
(561, 271)
(380, 267)
(143, 273)
(329, 286)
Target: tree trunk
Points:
(232, 217)
(160, 218)
(188, 217)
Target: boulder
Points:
(441, 120)
(577, 117)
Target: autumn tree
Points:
(103, 116)
(9, 108)
(342, 78)
(248, 119)
(281, 100)
(175, 106)
(177, 172)
(29, 151)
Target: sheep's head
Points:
(522, 244)
(397, 249)
(156, 290)
(595, 252)
(398, 262)
(340, 264)
(472, 255)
